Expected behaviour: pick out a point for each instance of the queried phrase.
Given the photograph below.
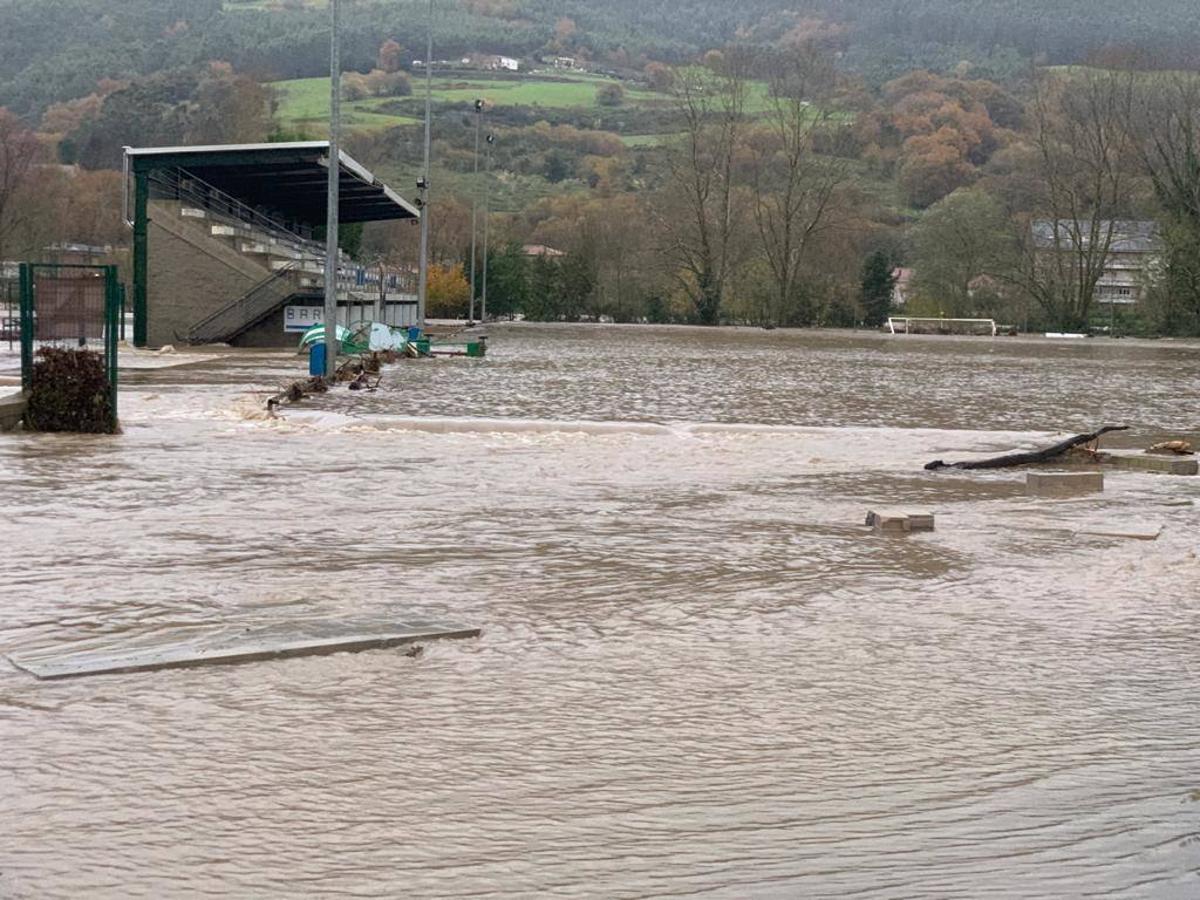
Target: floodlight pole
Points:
(423, 183)
(331, 217)
(475, 205)
(487, 208)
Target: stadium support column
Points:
(141, 255)
(423, 183)
(335, 168)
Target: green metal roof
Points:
(290, 179)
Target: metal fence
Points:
(72, 306)
(10, 311)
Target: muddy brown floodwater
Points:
(699, 675)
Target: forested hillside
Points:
(766, 161)
(54, 50)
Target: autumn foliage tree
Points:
(610, 94)
(449, 292)
(391, 56)
(935, 132)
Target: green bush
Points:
(70, 392)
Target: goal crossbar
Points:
(934, 325)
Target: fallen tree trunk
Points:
(1025, 459)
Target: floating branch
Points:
(1027, 459)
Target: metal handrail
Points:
(245, 310)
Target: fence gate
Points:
(70, 306)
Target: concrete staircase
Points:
(269, 295)
(225, 268)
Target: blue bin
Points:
(414, 333)
(316, 360)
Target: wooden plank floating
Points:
(1063, 484)
(233, 648)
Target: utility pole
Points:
(381, 300)
(423, 181)
(487, 208)
(475, 204)
(335, 168)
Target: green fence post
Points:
(113, 305)
(27, 321)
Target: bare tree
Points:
(794, 188)
(1084, 161)
(18, 152)
(697, 217)
(1166, 130)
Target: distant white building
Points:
(541, 250)
(1134, 255)
(490, 63)
(565, 62)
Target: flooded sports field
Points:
(699, 674)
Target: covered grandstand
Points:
(224, 247)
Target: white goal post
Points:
(920, 325)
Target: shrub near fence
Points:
(70, 392)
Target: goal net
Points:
(917, 325)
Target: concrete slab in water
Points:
(233, 647)
(897, 521)
(1163, 465)
(12, 409)
(1063, 484)
(1129, 532)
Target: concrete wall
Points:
(191, 275)
(12, 408)
(269, 332)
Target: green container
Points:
(474, 349)
(423, 346)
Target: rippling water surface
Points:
(699, 675)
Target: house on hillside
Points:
(565, 62)
(487, 62)
(1134, 255)
(491, 63)
(541, 250)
